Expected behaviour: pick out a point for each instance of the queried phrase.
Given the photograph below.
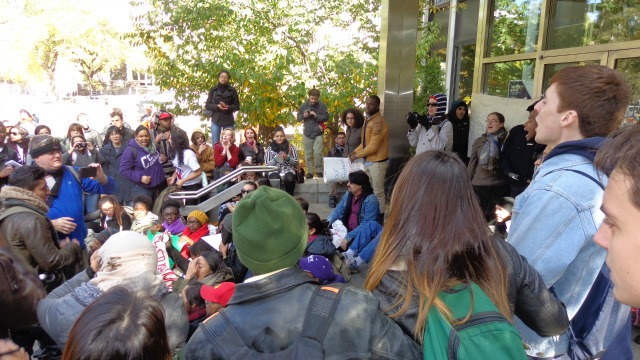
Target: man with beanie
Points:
(555, 218)
(66, 209)
(313, 114)
(434, 131)
(268, 310)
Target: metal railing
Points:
(196, 194)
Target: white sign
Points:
(338, 169)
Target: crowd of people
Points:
(100, 264)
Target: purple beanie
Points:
(321, 269)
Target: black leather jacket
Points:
(528, 297)
(278, 304)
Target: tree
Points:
(275, 51)
(429, 77)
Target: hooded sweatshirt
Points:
(144, 164)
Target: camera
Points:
(82, 145)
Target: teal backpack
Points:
(486, 334)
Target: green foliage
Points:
(430, 76)
(275, 51)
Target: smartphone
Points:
(88, 171)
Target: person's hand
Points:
(224, 248)
(344, 244)
(231, 207)
(10, 351)
(180, 182)
(64, 225)
(171, 180)
(202, 148)
(424, 121)
(100, 177)
(94, 262)
(412, 119)
(64, 242)
(352, 157)
(163, 158)
(192, 270)
(158, 138)
(6, 171)
(145, 179)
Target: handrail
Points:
(196, 194)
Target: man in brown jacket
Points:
(374, 148)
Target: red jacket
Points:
(221, 158)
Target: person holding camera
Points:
(432, 131)
(81, 154)
(314, 114)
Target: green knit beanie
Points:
(269, 230)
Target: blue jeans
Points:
(91, 202)
(363, 236)
(216, 130)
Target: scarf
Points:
(223, 87)
(87, 293)
(176, 228)
(195, 236)
(151, 149)
(251, 143)
(489, 157)
(284, 147)
(57, 176)
(196, 313)
(311, 238)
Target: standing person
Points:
(204, 153)
(117, 119)
(285, 156)
(314, 114)
(271, 246)
(65, 201)
(374, 148)
(187, 174)
(42, 130)
(226, 153)
(92, 135)
(352, 119)
(251, 151)
(519, 153)
(6, 154)
(27, 121)
(19, 143)
(339, 150)
(112, 152)
(74, 129)
(222, 102)
(581, 106)
(433, 131)
(83, 155)
(459, 116)
(148, 119)
(140, 164)
(489, 182)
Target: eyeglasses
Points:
(433, 104)
(243, 191)
(107, 209)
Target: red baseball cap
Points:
(220, 293)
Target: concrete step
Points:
(316, 191)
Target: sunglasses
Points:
(243, 191)
(433, 104)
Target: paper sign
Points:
(338, 169)
(213, 240)
(164, 263)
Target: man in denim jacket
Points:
(555, 218)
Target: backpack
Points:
(320, 312)
(485, 335)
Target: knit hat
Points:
(320, 267)
(269, 230)
(220, 293)
(442, 104)
(200, 216)
(42, 144)
(105, 234)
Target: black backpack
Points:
(320, 312)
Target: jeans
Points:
(377, 171)
(216, 130)
(313, 154)
(363, 237)
(91, 202)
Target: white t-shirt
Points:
(190, 164)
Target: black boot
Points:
(332, 201)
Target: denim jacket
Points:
(369, 209)
(553, 224)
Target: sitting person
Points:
(127, 259)
(217, 297)
(208, 268)
(143, 218)
(95, 241)
(283, 155)
(358, 210)
(320, 241)
(229, 207)
(228, 250)
(194, 304)
(172, 222)
(112, 216)
(195, 251)
(319, 268)
(304, 204)
(204, 153)
(102, 332)
(197, 227)
(251, 151)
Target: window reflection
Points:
(577, 23)
(510, 79)
(630, 69)
(514, 28)
(552, 69)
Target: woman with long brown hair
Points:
(434, 242)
